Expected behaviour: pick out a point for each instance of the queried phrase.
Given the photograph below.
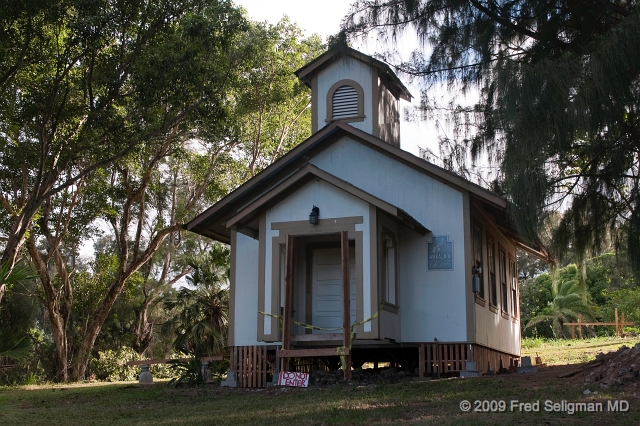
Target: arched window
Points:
(345, 101)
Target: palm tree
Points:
(569, 300)
(201, 310)
(10, 276)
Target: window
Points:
(477, 254)
(389, 270)
(491, 259)
(345, 101)
(503, 281)
(513, 272)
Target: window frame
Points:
(515, 302)
(477, 259)
(387, 241)
(491, 260)
(346, 82)
(502, 265)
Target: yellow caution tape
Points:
(340, 350)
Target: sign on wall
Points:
(291, 378)
(440, 254)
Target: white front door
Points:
(327, 289)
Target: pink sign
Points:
(288, 378)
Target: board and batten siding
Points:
(491, 328)
(346, 68)
(333, 203)
(432, 303)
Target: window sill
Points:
(346, 119)
(493, 308)
(390, 307)
(480, 301)
(505, 315)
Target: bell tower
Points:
(351, 87)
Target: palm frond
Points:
(16, 347)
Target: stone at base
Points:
(231, 381)
(526, 361)
(145, 377)
(274, 379)
(529, 369)
(470, 373)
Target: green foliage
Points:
(568, 299)
(535, 296)
(200, 316)
(558, 110)
(272, 104)
(627, 301)
(112, 366)
(14, 346)
(189, 373)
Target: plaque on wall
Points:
(440, 254)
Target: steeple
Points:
(349, 86)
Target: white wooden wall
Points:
(245, 321)
(432, 303)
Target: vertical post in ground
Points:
(346, 302)
(288, 298)
(579, 326)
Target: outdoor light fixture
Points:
(476, 270)
(313, 216)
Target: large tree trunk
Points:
(58, 315)
(143, 329)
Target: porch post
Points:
(346, 303)
(288, 296)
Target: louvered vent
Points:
(345, 102)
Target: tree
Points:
(569, 299)
(110, 86)
(273, 113)
(77, 93)
(202, 310)
(13, 345)
(558, 102)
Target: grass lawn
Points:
(434, 402)
(560, 352)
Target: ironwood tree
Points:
(559, 97)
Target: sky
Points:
(324, 17)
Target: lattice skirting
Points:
(447, 358)
(253, 365)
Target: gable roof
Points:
(213, 221)
(305, 174)
(327, 58)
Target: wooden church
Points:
(348, 245)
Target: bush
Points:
(112, 366)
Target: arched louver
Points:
(345, 102)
